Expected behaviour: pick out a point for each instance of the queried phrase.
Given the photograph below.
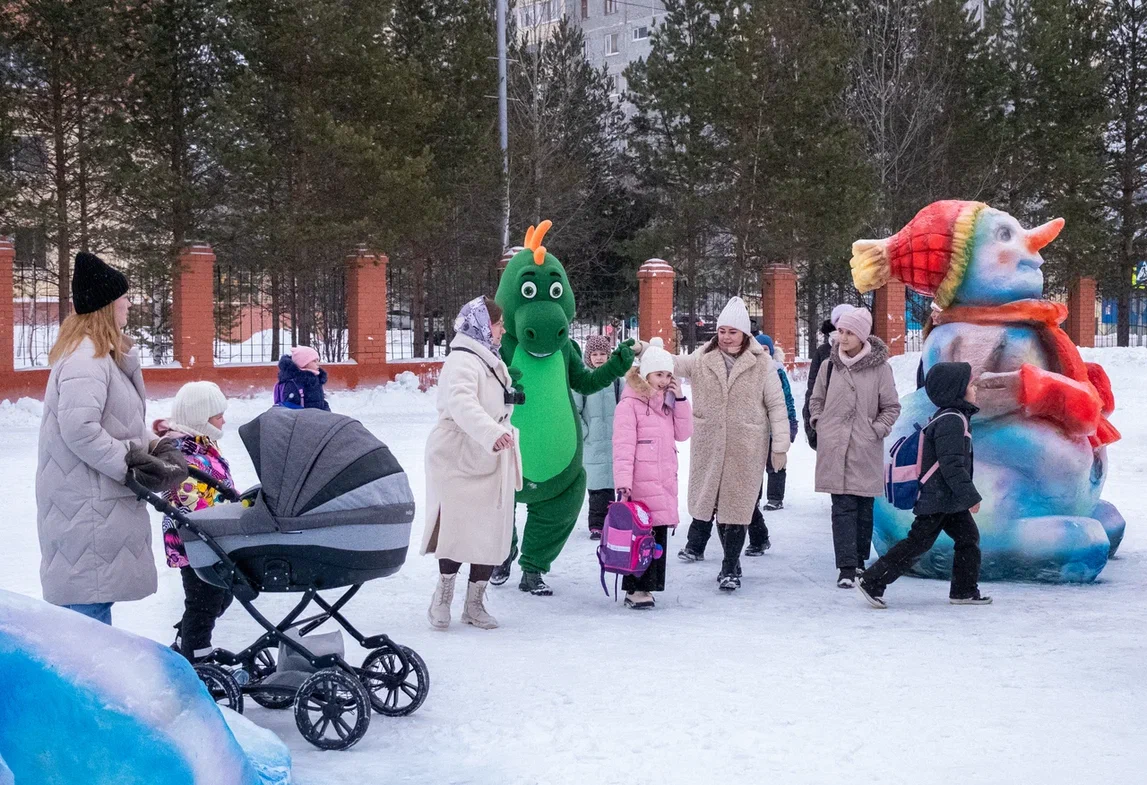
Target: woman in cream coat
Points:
(473, 466)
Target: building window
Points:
(540, 12)
(585, 50)
(640, 33)
(611, 44)
(585, 9)
(610, 6)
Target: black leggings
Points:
(478, 572)
(203, 603)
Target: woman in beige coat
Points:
(853, 406)
(738, 405)
(473, 466)
(95, 536)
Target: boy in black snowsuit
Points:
(947, 496)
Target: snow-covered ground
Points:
(790, 680)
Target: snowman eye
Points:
(529, 290)
(1004, 234)
(556, 290)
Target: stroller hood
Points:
(320, 469)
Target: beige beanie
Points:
(858, 321)
(195, 404)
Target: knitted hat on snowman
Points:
(930, 255)
(655, 358)
(194, 405)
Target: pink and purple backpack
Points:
(627, 545)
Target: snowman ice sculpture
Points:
(1040, 437)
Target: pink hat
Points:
(858, 321)
(303, 356)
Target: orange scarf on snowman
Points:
(1076, 395)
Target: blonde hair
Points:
(99, 326)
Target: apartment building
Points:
(616, 32)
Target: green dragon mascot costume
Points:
(538, 304)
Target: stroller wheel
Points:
(394, 691)
(221, 685)
(261, 665)
(332, 710)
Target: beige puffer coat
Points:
(734, 414)
(851, 419)
(469, 487)
(95, 536)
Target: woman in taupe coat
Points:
(853, 406)
(738, 405)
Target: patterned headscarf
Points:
(474, 322)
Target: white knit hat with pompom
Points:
(655, 358)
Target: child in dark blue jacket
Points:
(774, 491)
(301, 380)
(947, 496)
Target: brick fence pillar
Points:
(888, 322)
(1081, 311)
(7, 257)
(193, 307)
(655, 303)
(779, 306)
(366, 307)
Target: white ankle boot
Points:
(439, 613)
(475, 612)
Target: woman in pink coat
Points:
(651, 418)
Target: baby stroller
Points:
(337, 514)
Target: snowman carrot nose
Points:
(1040, 236)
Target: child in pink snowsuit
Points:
(651, 418)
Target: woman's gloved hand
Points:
(158, 470)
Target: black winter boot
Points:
(533, 583)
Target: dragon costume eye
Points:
(529, 290)
(556, 290)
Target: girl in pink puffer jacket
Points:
(651, 418)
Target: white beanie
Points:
(195, 404)
(736, 315)
(857, 321)
(655, 358)
(839, 311)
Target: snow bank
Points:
(84, 702)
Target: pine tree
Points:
(447, 48)
(678, 156)
(63, 78)
(316, 141)
(567, 162)
(1051, 117)
(1127, 96)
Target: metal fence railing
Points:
(260, 315)
(699, 298)
(149, 317)
(35, 312)
(1107, 320)
(423, 298)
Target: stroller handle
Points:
(227, 492)
(167, 508)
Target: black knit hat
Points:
(95, 284)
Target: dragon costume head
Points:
(536, 297)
